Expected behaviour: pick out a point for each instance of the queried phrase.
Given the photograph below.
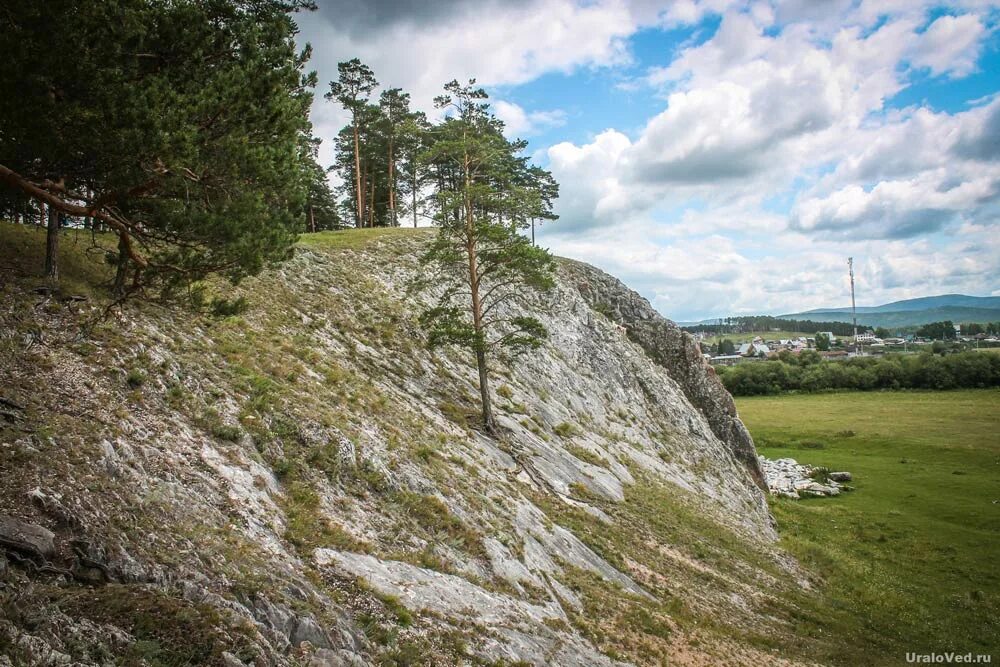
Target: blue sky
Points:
(725, 157)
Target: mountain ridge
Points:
(919, 303)
(907, 312)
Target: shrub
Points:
(566, 430)
(135, 378)
(226, 432)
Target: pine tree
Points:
(179, 126)
(395, 107)
(414, 140)
(480, 255)
(355, 83)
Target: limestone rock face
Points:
(306, 483)
(675, 350)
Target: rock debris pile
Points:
(790, 479)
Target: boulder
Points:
(308, 630)
(26, 538)
(789, 479)
(230, 660)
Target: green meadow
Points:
(910, 560)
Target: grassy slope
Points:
(860, 601)
(911, 559)
(82, 265)
(254, 374)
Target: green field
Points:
(910, 560)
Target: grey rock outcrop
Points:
(26, 538)
(525, 627)
(790, 479)
(675, 350)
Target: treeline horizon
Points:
(809, 373)
(765, 323)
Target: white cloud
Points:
(950, 45)
(521, 123)
(590, 188)
(745, 108)
(896, 209)
(496, 43)
(772, 159)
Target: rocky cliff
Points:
(303, 482)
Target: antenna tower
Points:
(854, 313)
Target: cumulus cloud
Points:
(773, 146)
(498, 43)
(980, 139)
(950, 45)
(895, 209)
(752, 106)
(521, 123)
(591, 190)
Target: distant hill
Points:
(921, 303)
(907, 313)
(904, 318)
(913, 312)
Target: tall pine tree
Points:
(486, 264)
(353, 87)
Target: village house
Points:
(757, 348)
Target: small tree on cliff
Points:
(486, 264)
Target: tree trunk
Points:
(88, 221)
(358, 195)
(312, 220)
(121, 271)
(392, 188)
(489, 424)
(532, 231)
(52, 246)
(371, 203)
(414, 195)
(364, 196)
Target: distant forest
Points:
(809, 373)
(763, 324)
